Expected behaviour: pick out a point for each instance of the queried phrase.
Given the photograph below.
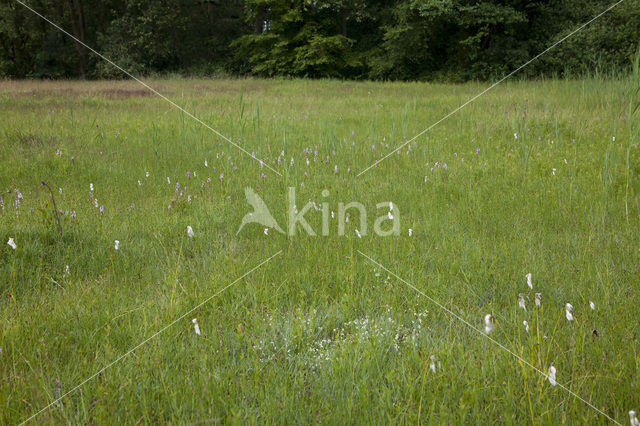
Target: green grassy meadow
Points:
(533, 177)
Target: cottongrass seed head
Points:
(552, 376)
(567, 310)
(190, 231)
(521, 302)
(488, 323)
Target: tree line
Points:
(448, 40)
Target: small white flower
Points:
(116, 244)
(195, 326)
(358, 234)
(95, 202)
(66, 270)
(91, 187)
(410, 231)
(12, 243)
(568, 308)
(515, 136)
(390, 205)
(390, 216)
(206, 164)
(332, 215)
(266, 231)
(139, 183)
(553, 171)
(521, 302)
(613, 138)
(633, 420)
(168, 180)
(147, 174)
(488, 323)
(190, 231)
(526, 326)
(592, 305)
(529, 283)
(552, 375)
(538, 299)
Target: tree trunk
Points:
(261, 15)
(79, 31)
(344, 14)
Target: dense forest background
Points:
(450, 40)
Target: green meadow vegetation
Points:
(537, 177)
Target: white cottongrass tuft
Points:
(410, 231)
(538, 299)
(116, 244)
(521, 302)
(206, 164)
(633, 420)
(567, 310)
(432, 366)
(526, 326)
(488, 323)
(195, 326)
(592, 305)
(529, 283)
(266, 231)
(552, 376)
(190, 231)
(12, 243)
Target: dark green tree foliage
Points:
(301, 38)
(380, 39)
